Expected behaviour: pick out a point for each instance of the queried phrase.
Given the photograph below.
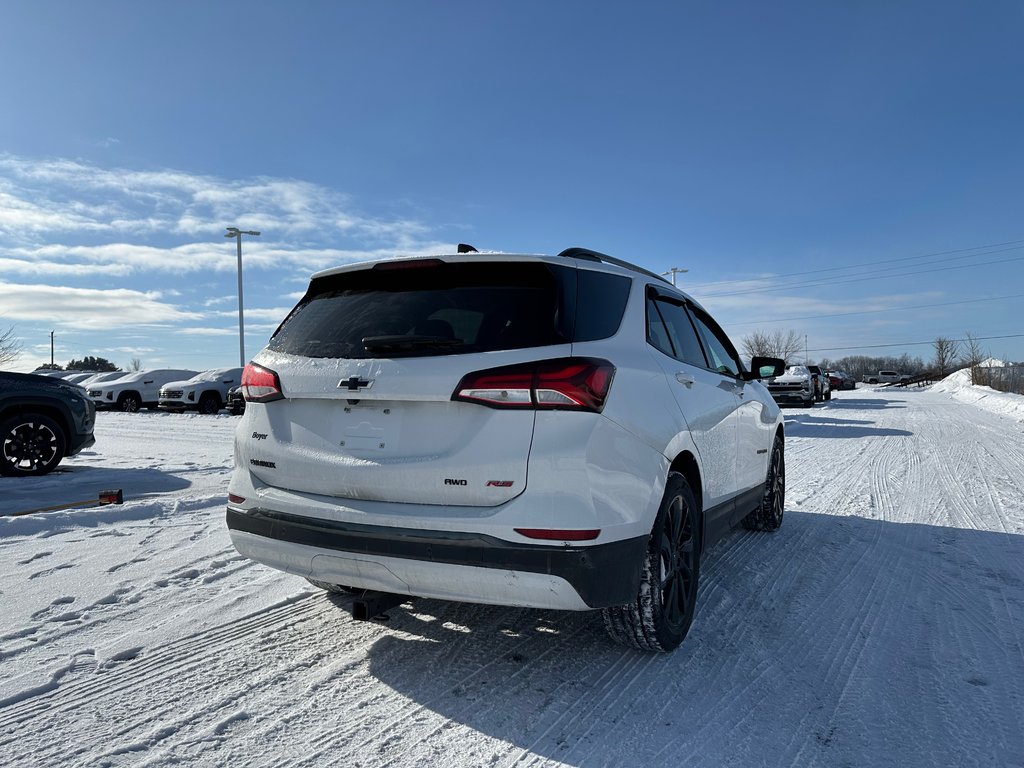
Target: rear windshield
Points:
(444, 309)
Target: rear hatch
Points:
(370, 359)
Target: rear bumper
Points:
(450, 565)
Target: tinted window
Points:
(657, 333)
(434, 309)
(681, 333)
(719, 350)
(601, 304)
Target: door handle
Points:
(685, 378)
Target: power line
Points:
(862, 279)
(913, 343)
(878, 311)
(884, 261)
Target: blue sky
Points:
(742, 141)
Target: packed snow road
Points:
(882, 625)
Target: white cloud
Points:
(66, 195)
(87, 308)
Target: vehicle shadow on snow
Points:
(806, 425)
(860, 404)
(66, 485)
(835, 640)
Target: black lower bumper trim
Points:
(602, 574)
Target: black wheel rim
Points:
(777, 482)
(677, 558)
(30, 446)
(131, 405)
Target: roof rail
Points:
(588, 255)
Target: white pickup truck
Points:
(884, 377)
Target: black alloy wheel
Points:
(209, 403)
(32, 444)
(767, 516)
(660, 616)
(129, 402)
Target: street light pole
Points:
(237, 233)
(673, 271)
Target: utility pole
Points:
(237, 233)
(807, 357)
(51, 348)
(674, 271)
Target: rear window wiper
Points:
(378, 343)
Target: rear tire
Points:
(660, 615)
(768, 515)
(30, 444)
(337, 589)
(828, 395)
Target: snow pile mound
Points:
(958, 386)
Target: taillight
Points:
(567, 383)
(260, 385)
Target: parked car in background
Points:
(96, 378)
(42, 420)
(822, 387)
(796, 385)
(235, 401)
(840, 380)
(206, 392)
(565, 432)
(135, 390)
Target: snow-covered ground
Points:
(883, 625)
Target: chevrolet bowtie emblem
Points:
(354, 383)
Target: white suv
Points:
(134, 389)
(564, 432)
(206, 392)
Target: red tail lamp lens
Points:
(567, 383)
(260, 385)
(236, 499)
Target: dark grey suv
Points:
(42, 420)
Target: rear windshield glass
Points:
(445, 309)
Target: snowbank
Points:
(959, 386)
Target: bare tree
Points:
(135, 364)
(778, 343)
(972, 353)
(10, 347)
(946, 352)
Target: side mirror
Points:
(765, 368)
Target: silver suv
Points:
(565, 431)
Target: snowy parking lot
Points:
(883, 625)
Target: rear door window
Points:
(720, 352)
(669, 330)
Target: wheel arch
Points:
(687, 465)
(50, 410)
